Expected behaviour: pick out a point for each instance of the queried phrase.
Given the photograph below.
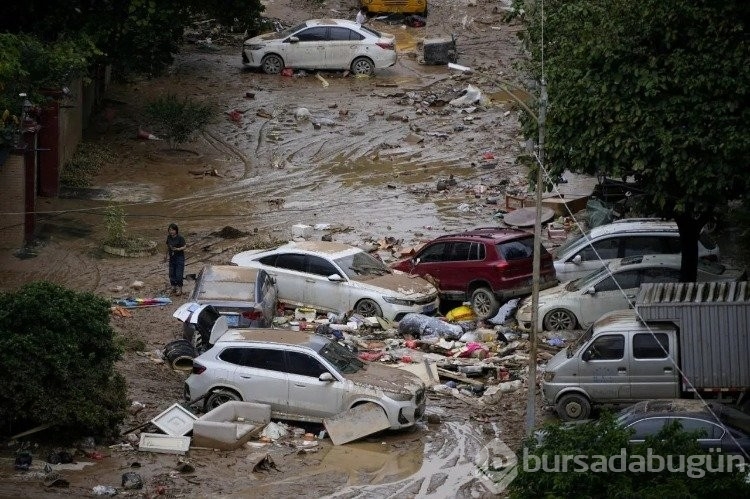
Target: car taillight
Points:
(386, 45)
(198, 368)
(252, 315)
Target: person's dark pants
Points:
(176, 269)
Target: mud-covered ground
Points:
(369, 171)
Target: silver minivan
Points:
(588, 252)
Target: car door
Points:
(636, 245)
(308, 395)
(260, 376)
(603, 370)
(342, 47)
(320, 292)
(710, 433)
(653, 374)
(288, 269)
(646, 427)
(309, 51)
(431, 261)
(592, 257)
(608, 296)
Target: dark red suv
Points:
(486, 266)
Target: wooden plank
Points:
(444, 373)
(360, 421)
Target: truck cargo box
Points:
(714, 330)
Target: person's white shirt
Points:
(361, 17)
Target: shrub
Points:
(58, 353)
(177, 119)
(88, 159)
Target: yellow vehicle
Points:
(395, 6)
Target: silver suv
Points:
(627, 237)
(302, 376)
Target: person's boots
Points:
(179, 290)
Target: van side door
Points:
(653, 372)
(603, 369)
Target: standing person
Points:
(361, 16)
(176, 257)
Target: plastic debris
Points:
(104, 490)
(425, 326)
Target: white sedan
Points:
(582, 301)
(336, 277)
(322, 44)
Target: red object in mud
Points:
(406, 359)
(144, 135)
(287, 72)
(370, 356)
(95, 455)
(413, 344)
(235, 115)
(488, 155)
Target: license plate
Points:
(428, 309)
(233, 320)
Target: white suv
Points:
(302, 376)
(627, 237)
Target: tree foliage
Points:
(606, 438)
(178, 119)
(657, 89)
(58, 354)
(137, 36)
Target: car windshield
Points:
(576, 345)
(290, 31)
(342, 359)
(588, 280)
(360, 264)
(561, 250)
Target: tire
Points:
(572, 407)
(368, 308)
(484, 303)
(559, 319)
(363, 66)
(220, 396)
(180, 354)
(196, 338)
(272, 64)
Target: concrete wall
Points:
(12, 178)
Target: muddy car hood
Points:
(389, 379)
(403, 284)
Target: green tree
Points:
(178, 119)
(657, 89)
(58, 353)
(135, 36)
(604, 437)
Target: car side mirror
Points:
(335, 278)
(590, 291)
(326, 376)
(293, 39)
(586, 356)
(416, 260)
(577, 259)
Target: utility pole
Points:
(536, 269)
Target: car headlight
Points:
(254, 47)
(548, 376)
(398, 301)
(400, 396)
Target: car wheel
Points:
(363, 66)
(559, 319)
(218, 397)
(197, 339)
(272, 64)
(368, 308)
(484, 303)
(573, 407)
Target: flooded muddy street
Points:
(362, 162)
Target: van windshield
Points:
(582, 340)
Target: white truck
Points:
(682, 339)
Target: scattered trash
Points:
(132, 481)
(458, 67)
(322, 80)
(360, 421)
(23, 461)
(471, 96)
(556, 342)
(425, 326)
(143, 135)
(274, 431)
(261, 461)
(104, 490)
